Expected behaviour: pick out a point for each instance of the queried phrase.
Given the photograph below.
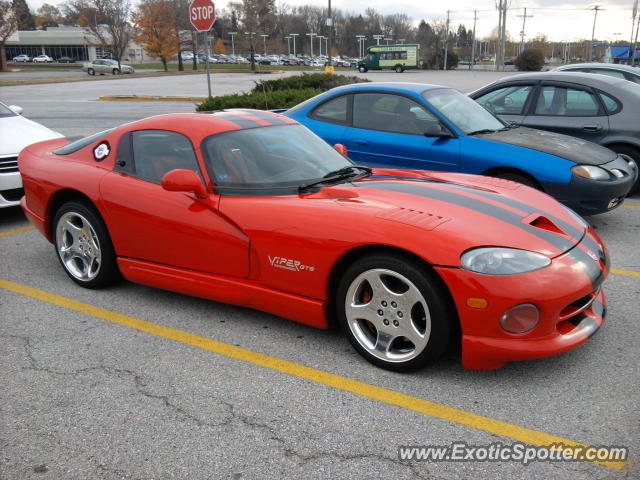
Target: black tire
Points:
(634, 155)
(115, 71)
(399, 69)
(430, 323)
(517, 177)
(92, 250)
(91, 71)
(362, 69)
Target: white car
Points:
(16, 132)
(22, 58)
(42, 59)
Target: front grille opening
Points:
(8, 165)
(13, 195)
(577, 306)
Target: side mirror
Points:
(437, 130)
(341, 149)
(184, 180)
(16, 109)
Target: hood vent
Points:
(543, 223)
(417, 218)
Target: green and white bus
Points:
(394, 57)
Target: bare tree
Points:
(8, 25)
(106, 20)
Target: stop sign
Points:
(202, 14)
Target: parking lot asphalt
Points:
(135, 382)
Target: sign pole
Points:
(206, 60)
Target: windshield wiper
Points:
(337, 176)
(484, 130)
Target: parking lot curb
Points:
(150, 98)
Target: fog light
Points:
(520, 319)
(615, 202)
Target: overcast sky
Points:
(560, 21)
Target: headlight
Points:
(591, 172)
(502, 261)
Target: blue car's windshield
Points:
(460, 110)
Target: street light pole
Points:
(320, 37)
(288, 38)
(233, 47)
(378, 38)
(264, 42)
(595, 9)
(294, 35)
(311, 35)
(329, 35)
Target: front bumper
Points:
(588, 197)
(10, 189)
(567, 293)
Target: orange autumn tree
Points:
(219, 47)
(154, 22)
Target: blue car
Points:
(418, 126)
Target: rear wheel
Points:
(83, 246)
(116, 71)
(362, 69)
(91, 71)
(396, 315)
(399, 69)
(632, 154)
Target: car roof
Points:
(200, 125)
(601, 81)
(393, 86)
(612, 66)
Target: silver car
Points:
(616, 70)
(103, 66)
(598, 108)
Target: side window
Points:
(334, 110)
(155, 152)
(391, 113)
(611, 105)
(568, 102)
(507, 100)
(611, 73)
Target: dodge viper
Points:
(251, 208)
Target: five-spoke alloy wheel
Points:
(83, 246)
(395, 314)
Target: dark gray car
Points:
(598, 108)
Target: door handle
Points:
(361, 143)
(592, 128)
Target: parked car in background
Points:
(598, 108)
(16, 132)
(412, 125)
(616, 70)
(65, 59)
(103, 66)
(250, 208)
(42, 59)
(22, 58)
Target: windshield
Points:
(268, 157)
(460, 110)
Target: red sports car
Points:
(251, 208)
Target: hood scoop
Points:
(543, 223)
(416, 218)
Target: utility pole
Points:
(473, 41)
(329, 40)
(595, 9)
(288, 39)
(503, 43)
(499, 62)
(311, 35)
(634, 39)
(264, 42)
(294, 35)
(378, 38)
(524, 20)
(446, 41)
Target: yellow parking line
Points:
(630, 205)
(17, 230)
(391, 397)
(631, 273)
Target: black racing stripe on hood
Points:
(562, 244)
(272, 119)
(566, 227)
(239, 119)
(588, 265)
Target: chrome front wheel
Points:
(396, 312)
